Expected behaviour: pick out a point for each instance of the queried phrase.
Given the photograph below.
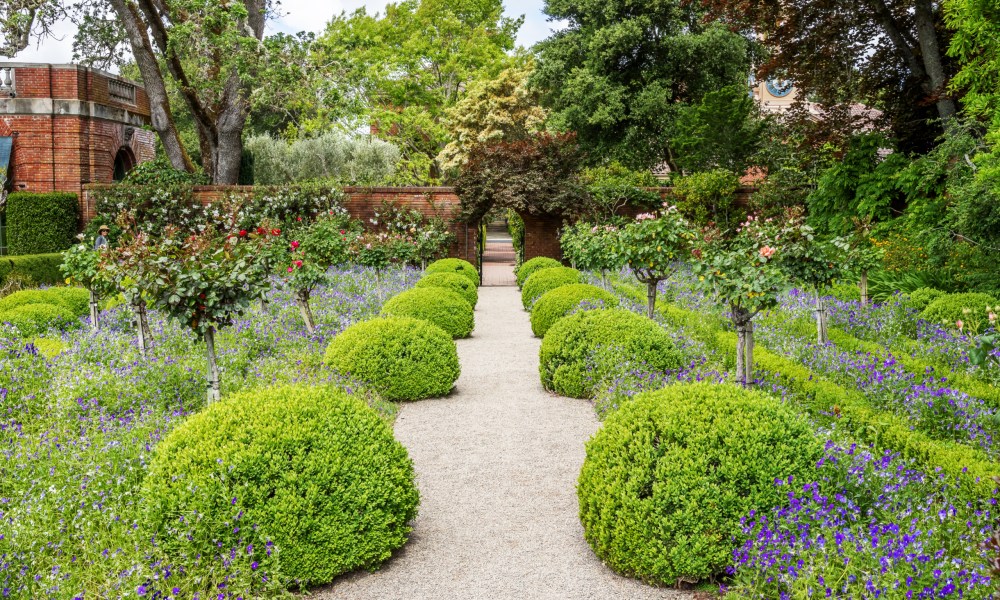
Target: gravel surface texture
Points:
(496, 463)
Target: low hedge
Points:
(826, 401)
(569, 344)
(38, 269)
(668, 477)
(35, 319)
(74, 299)
(401, 358)
(544, 280)
(950, 308)
(438, 306)
(920, 298)
(556, 304)
(317, 470)
(459, 284)
(847, 292)
(529, 268)
(41, 223)
(455, 265)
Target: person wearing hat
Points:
(102, 237)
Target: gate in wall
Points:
(497, 255)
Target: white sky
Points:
(308, 15)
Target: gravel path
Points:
(496, 463)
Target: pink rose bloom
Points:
(298, 264)
(959, 324)
(295, 245)
(644, 217)
(290, 269)
(767, 251)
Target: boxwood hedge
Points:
(41, 223)
(454, 282)
(438, 306)
(35, 319)
(529, 267)
(455, 265)
(401, 358)
(556, 304)
(569, 344)
(543, 280)
(950, 308)
(317, 470)
(670, 474)
(37, 269)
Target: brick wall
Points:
(69, 122)
(541, 236)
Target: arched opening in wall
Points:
(124, 162)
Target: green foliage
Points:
(615, 186)
(590, 247)
(544, 280)
(619, 71)
(860, 185)
(74, 300)
(38, 269)
(159, 173)
(314, 470)
(456, 282)
(654, 245)
(330, 157)
(436, 305)
(455, 265)
(515, 226)
(408, 65)
(323, 243)
(530, 266)
(920, 298)
(969, 308)
(36, 319)
(570, 342)
(556, 304)
(669, 476)
(40, 223)
(847, 292)
(401, 358)
(709, 197)
(537, 176)
(723, 131)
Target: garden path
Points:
(496, 463)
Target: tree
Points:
(725, 130)
(408, 66)
(539, 176)
(493, 109)
(325, 243)
(653, 247)
(886, 53)
(208, 49)
(620, 71)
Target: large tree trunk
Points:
(931, 52)
(152, 79)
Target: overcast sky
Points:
(308, 15)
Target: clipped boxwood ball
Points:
(454, 282)
(921, 298)
(556, 304)
(571, 341)
(401, 358)
(846, 292)
(950, 308)
(544, 280)
(35, 319)
(75, 300)
(439, 306)
(455, 265)
(317, 470)
(671, 473)
(529, 267)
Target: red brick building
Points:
(70, 125)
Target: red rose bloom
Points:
(243, 232)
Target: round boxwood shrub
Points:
(439, 306)
(75, 300)
(671, 473)
(529, 267)
(545, 280)
(846, 292)
(920, 298)
(459, 284)
(948, 309)
(35, 319)
(455, 265)
(317, 470)
(401, 358)
(556, 304)
(571, 341)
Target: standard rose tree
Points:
(653, 246)
(325, 243)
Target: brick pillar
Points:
(541, 236)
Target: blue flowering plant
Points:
(868, 526)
